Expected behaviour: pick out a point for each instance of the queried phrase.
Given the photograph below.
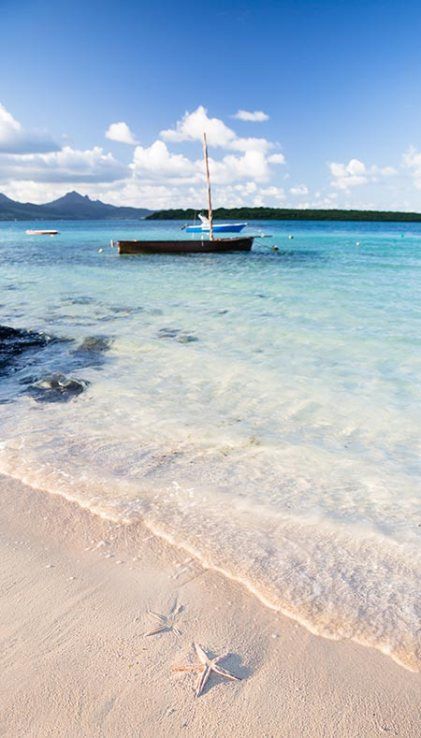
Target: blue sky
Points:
(338, 82)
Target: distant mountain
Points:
(72, 206)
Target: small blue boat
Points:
(204, 227)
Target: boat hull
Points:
(221, 228)
(41, 233)
(217, 246)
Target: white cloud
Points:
(276, 159)
(348, 175)
(192, 126)
(299, 190)
(273, 194)
(14, 139)
(412, 161)
(252, 144)
(356, 173)
(244, 170)
(157, 163)
(66, 165)
(383, 171)
(120, 132)
(154, 195)
(157, 176)
(252, 165)
(256, 116)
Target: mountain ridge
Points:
(71, 206)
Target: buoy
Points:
(275, 248)
(357, 243)
(290, 237)
(100, 251)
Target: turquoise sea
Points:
(261, 411)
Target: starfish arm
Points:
(201, 654)
(175, 608)
(157, 616)
(176, 630)
(202, 680)
(223, 672)
(161, 629)
(217, 659)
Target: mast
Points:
(210, 215)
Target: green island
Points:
(263, 213)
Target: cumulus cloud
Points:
(157, 176)
(251, 144)
(66, 165)
(256, 116)
(299, 190)
(120, 132)
(156, 162)
(193, 125)
(356, 173)
(412, 161)
(348, 175)
(276, 159)
(14, 139)
(154, 195)
(252, 164)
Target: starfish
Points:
(166, 623)
(206, 667)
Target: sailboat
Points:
(191, 246)
(204, 226)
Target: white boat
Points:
(41, 233)
(204, 227)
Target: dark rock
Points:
(78, 300)
(94, 344)
(176, 334)
(185, 338)
(15, 341)
(168, 332)
(125, 310)
(57, 388)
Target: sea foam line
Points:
(117, 513)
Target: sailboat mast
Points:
(210, 215)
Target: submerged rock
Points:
(94, 344)
(77, 300)
(186, 338)
(15, 341)
(177, 335)
(168, 332)
(57, 388)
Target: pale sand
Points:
(75, 662)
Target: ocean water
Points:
(261, 411)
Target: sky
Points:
(305, 103)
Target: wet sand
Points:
(75, 591)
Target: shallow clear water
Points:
(261, 410)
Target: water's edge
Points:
(408, 660)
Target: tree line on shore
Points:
(262, 213)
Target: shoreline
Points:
(75, 590)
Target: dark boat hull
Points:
(199, 246)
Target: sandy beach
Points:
(75, 592)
